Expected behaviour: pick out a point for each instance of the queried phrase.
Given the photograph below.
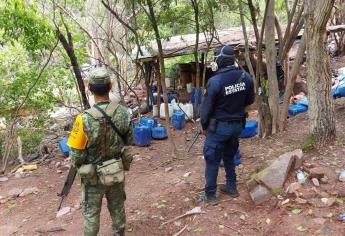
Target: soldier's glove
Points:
(127, 158)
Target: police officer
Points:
(228, 92)
(98, 151)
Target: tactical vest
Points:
(100, 149)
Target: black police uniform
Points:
(228, 92)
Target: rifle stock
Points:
(67, 185)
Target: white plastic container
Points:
(188, 109)
(155, 110)
(168, 82)
(162, 110)
(341, 71)
(189, 87)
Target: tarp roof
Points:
(185, 44)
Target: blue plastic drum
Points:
(142, 136)
(159, 132)
(148, 122)
(178, 119)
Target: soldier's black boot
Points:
(232, 192)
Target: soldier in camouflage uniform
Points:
(100, 142)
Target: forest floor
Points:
(158, 190)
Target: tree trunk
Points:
(271, 52)
(290, 83)
(196, 56)
(154, 24)
(68, 46)
(321, 107)
(262, 98)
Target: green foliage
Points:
(309, 143)
(172, 67)
(31, 139)
(20, 22)
(17, 75)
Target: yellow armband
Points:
(78, 138)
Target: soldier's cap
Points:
(99, 75)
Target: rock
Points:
(324, 180)
(3, 201)
(319, 221)
(260, 194)
(251, 184)
(63, 211)
(187, 174)
(328, 201)
(31, 157)
(3, 179)
(298, 158)
(342, 176)
(293, 188)
(57, 164)
(341, 193)
(317, 172)
(28, 191)
(315, 182)
(301, 200)
(275, 175)
(18, 175)
(13, 193)
(168, 169)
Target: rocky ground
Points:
(159, 189)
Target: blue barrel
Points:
(64, 148)
(178, 119)
(148, 122)
(159, 132)
(199, 96)
(250, 130)
(142, 136)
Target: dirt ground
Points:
(157, 191)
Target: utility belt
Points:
(106, 173)
(212, 126)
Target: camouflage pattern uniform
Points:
(100, 137)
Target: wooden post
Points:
(159, 83)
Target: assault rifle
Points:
(67, 185)
(195, 136)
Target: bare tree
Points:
(153, 20)
(321, 107)
(271, 52)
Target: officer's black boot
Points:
(232, 192)
(211, 200)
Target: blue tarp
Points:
(294, 109)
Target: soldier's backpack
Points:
(109, 171)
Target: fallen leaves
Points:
(302, 228)
(297, 211)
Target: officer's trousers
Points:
(220, 144)
(92, 205)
